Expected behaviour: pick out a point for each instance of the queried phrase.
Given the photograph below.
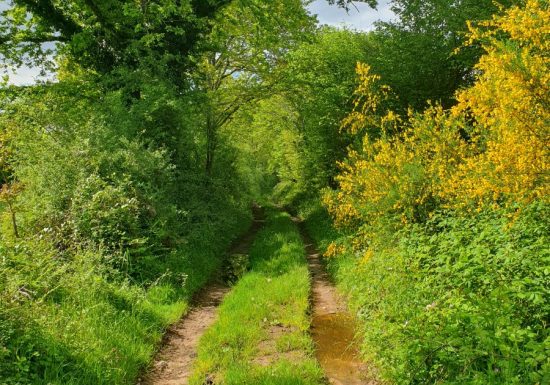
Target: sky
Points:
(360, 17)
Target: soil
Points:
(268, 353)
(333, 328)
(174, 362)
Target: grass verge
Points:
(77, 322)
(261, 335)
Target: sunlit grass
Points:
(91, 326)
(261, 334)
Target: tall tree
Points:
(421, 55)
(103, 35)
(249, 39)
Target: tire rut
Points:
(173, 364)
(333, 328)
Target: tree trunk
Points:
(13, 220)
(210, 143)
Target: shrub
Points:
(460, 299)
(445, 248)
(490, 149)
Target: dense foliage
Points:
(444, 219)
(296, 130)
(123, 181)
(116, 209)
(416, 54)
(455, 300)
(115, 233)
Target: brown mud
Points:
(333, 327)
(174, 362)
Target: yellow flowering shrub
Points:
(398, 174)
(371, 96)
(509, 103)
(491, 148)
(444, 251)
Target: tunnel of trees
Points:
(417, 154)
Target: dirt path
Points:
(174, 362)
(333, 328)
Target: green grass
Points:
(76, 322)
(261, 335)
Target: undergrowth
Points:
(118, 224)
(261, 334)
(75, 320)
(456, 300)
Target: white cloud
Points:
(360, 17)
(27, 76)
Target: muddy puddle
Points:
(333, 335)
(333, 328)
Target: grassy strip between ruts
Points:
(261, 335)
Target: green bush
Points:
(88, 183)
(119, 226)
(457, 300)
(79, 321)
